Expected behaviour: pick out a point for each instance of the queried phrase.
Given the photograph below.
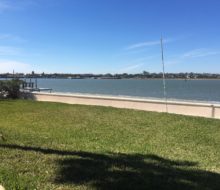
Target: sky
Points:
(109, 36)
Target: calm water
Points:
(202, 90)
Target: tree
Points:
(10, 88)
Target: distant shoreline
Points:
(138, 76)
(117, 78)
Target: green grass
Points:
(60, 146)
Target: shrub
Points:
(10, 88)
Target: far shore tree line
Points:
(143, 75)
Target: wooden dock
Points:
(32, 87)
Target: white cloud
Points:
(171, 63)
(196, 53)
(200, 53)
(10, 65)
(4, 36)
(8, 50)
(131, 68)
(146, 44)
(4, 5)
(143, 44)
(11, 37)
(8, 5)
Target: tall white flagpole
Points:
(164, 79)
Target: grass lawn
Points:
(60, 146)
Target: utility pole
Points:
(164, 79)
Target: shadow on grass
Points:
(126, 171)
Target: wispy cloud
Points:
(10, 65)
(196, 53)
(172, 62)
(8, 5)
(143, 44)
(134, 65)
(11, 37)
(200, 53)
(8, 50)
(4, 36)
(146, 44)
(130, 68)
(4, 5)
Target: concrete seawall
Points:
(177, 107)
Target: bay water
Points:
(194, 90)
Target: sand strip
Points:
(201, 109)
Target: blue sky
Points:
(109, 36)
